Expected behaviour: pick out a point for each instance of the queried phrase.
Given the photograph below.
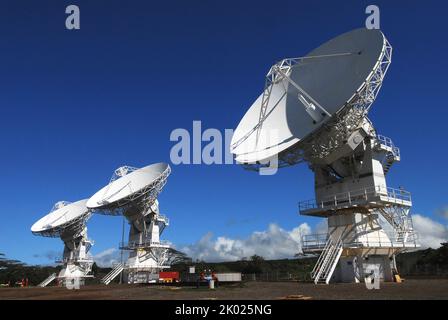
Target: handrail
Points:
(47, 280)
(385, 140)
(137, 244)
(116, 270)
(396, 195)
(327, 260)
(388, 143)
(163, 218)
(77, 259)
(319, 241)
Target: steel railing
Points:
(401, 239)
(143, 244)
(398, 196)
(163, 218)
(116, 270)
(67, 260)
(388, 143)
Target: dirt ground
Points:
(410, 289)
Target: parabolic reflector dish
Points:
(64, 216)
(331, 76)
(130, 184)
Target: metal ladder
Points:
(327, 262)
(47, 281)
(389, 161)
(392, 152)
(400, 220)
(111, 275)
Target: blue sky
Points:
(75, 105)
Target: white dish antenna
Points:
(64, 216)
(303, 95)
(129, 184)
(133, 193)
(314, 109)
(68, 221)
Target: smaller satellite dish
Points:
(64, 216)
(128, 184)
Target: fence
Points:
(277, 276)
(425, 270)
(392, 195)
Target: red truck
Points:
(168, 276)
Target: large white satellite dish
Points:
(133, 193)
(64, 217)
(302, 94)
(314, 109)
(68, 221)
(129, 184)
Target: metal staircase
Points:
(399, 218)
(163, 222)
(327, 262)
(116, 270)
(392, 152)
(395, 215)
(47, 281)
(388, 162)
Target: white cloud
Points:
(273, 243)
(107, 257)
(276, 243)
(430, 232)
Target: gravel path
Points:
(410, 289)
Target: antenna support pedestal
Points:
(368, 222)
